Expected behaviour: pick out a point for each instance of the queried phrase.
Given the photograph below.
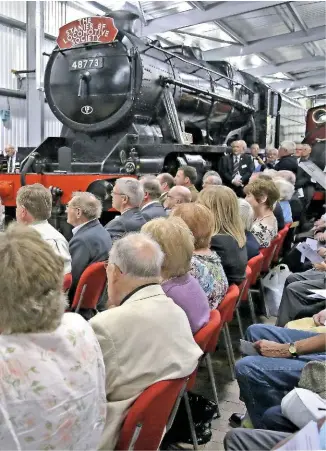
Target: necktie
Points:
(9, 165)
(235, 166)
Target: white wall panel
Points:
(15, 131)
(15, 10)
(54, 16)
(13, 55)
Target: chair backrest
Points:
(244, 287)
(146, 419)
(67, 281)
(268, 253)
(90, 287)
(283, 234)
(227, 306)
(210, 332)
(255, 264)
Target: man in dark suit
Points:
(151, 205)
(127, 196)
(236, 168)
(9, 162)
(287, 161)
(90, 242)
(303, 180)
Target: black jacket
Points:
(246, 168)
(234, 259)
(154, 210)
(130, 221)
(287, 163)
(252, 245)
(278, 213)
(90, 244)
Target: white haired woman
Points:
(247, 217)
(286, 190)
(52, 385)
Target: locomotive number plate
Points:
(87, 63)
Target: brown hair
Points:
(260, 188)
(223, 203)
(176, 241)
(36, 199)
(200, 221)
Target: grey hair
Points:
(289, 176)
(246, 214)
(90, 205)
(152, 186)
(212, 174)
(285, 188)
(289, 146)
(132, 188)
(271, 172)
(214, 180)
(137, 255)
(271, 150)
(243, 143)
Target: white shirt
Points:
(52, 388)
(56, 240)
(75, 229)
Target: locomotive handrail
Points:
(173, 55)
(166, 80)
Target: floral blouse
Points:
(52, 388)
(264, 233)
(209, 272)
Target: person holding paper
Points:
(315, 324)
(265, 379)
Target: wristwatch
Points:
(293, 350)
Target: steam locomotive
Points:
(130, 107)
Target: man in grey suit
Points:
(127, 196)
(151, 205)
(90, 242)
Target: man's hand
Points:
(320, 224)
(322, 252)
(320, 266)
(320, 318)
(237, 182)
(271, 349)
(320, 236)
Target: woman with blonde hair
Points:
(52, 384)
(206, 265)
(262, 196)
(177, 243)
(229, 240)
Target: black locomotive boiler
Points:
(132, 107)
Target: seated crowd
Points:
(170, 257)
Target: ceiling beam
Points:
(307, 93)
(290, 66)
(196, 16)
(288, 39)
(298, 83)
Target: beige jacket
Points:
(145, 340)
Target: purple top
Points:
(186, 292)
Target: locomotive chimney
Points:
(126, 21)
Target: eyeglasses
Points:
(117, 194)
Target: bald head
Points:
(177, 195)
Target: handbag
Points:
(272, 286)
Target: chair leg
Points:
(229, 349)
(239, 322)
(252, 308)
(212, 379)
(191, 421)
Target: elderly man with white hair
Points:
(287, 158)
(247, 218)
(90, 242)
(127, 197)
(145, 337)
(211, 178)
(286, 190)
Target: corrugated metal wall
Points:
(13, 49)
(292, 122)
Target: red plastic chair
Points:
(147, 418)
(243, 289)
(207, 338)
(226, 309)
(90, 287)
(278, 249)
(67, 281)
(255, 264)
(268, 253)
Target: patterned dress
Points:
(264, 233)
(52, 388)
(209, 272)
